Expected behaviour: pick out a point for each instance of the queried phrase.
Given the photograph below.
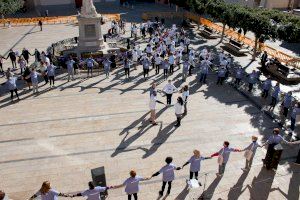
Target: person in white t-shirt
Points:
(169, 89)
(93, 193)
(252, 149)
(185, 94)
(152, 106)
(132, 185)
(195, 164)
(168, 175)
(47, 193)
(178, 111)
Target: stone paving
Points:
(63, 133)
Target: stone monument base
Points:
(90, 35)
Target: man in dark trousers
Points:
(13, 58)
(168, 175)
(40, 23)
(25, 54)
(264, 59)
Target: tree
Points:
(10, 6)
(263, 29)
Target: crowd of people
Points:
(132, 183)
(167, 49)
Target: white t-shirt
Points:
(185, 95)
(178, 109)
(168, 172)
(170, 88)
(51, 195)
(152, 104)
(93, 194)
(195, 163)
(132, 185)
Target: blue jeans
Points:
(293, 122)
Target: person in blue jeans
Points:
(168, 174)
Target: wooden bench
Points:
(284, 74)
(209, 33)
(236, 47)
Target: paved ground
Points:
(65, 132)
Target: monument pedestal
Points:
(90, 34)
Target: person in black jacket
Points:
(13, 58)
(25, 54)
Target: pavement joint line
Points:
(16, 140)
(70, 118)
(82, 117)
(120, 148)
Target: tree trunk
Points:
(223, 32)
(255, 48)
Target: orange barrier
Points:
(282, 57)
(50, 20)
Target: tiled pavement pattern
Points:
(65, 132)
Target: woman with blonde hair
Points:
(47, 193)
(195, 162)
(132, 185)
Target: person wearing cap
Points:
(132, 185)
(223, 157)
(272, 142)
(169, 89)
(266, 86)
(250, 151)
(93, 192)
(195, 164)
(168, 175)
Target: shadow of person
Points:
(142, 120)
(293, 191)
(161, 138)
(261, 185)
(126, 142)
(209, 192)
(236, 191)
(183, 194)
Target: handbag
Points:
(249, 153)
(220, 158)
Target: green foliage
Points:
(10, 6)
(269, 24)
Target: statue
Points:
(88, 9)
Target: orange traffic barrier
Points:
(50, 20)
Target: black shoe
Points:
(168, 193)
(161, 193)
(200, 184)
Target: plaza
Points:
(63, 133)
